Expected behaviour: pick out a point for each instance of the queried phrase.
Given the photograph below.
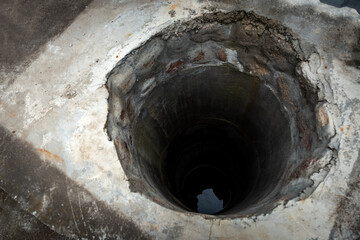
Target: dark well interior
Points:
(212, 128)
(217, 110)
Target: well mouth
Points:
(215, 120)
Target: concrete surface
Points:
(58, 168)
(27, 25)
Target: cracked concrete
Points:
(54, 111)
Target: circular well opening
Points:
(215, 120)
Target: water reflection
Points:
(209, 203)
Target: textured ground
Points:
(59, 174)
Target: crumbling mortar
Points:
(225, 18)
(307, 192)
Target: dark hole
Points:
(210, 166)
(204, 135)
